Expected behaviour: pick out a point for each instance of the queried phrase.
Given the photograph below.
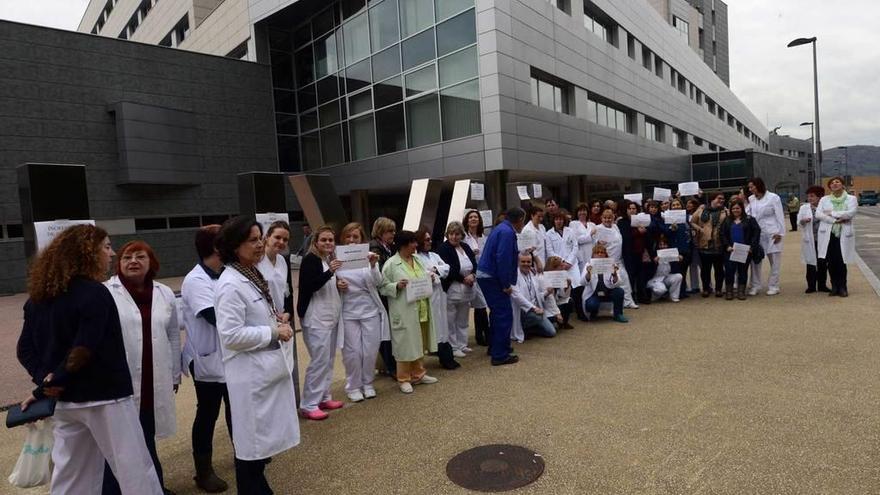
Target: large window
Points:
(679, 139)
(596, 27)
(653, 130)
(682, 27)
(608, 114)
(549, 93)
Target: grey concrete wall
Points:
(721, 41)
(57, 87)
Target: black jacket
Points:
(33, 344)
(626, 233)
(450, 256)
(312, 277)
(751, 233)
(86, 351)
(383, 252)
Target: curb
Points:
(869, 274)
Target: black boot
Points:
(481, 326)
(447, 360)
(205, 477)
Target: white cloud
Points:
(776, 82)
(62, 14)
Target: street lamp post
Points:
(846, 164)
(817, 142)
(816, 179)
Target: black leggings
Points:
(836, 266)
(709, 261)
(209, 395)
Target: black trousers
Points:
(481, 326)
(250, 477)
(836, 266)
(577, 295)
(792, 217)
(817, 275)
(708, 262)
(737, 271)
(148, 423)
(565, 310)
(209, 395)
(639, 274)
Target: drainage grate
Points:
(495, 468)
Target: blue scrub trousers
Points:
(500, 318)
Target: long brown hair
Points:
(313, 246)
(75, 252)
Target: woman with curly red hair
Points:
(84, 355)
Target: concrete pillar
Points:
(577, 191)
(360, 207)
(496, 187)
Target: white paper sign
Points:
(689, 188)
(635, 198)
(557, 279)
(675, 216)
(538, 190)
(740, 253)
(523, 192)
(640, 220)
(669, 255)
(420, 288)
(353, 256)
(47, 231)
(267, 219)
(478, 191)
(602, 266)
(486, 215)
(526, 240)
(661, 194)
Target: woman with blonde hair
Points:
(364, 319)
(557, 302)
(459, 284)
(382, 243)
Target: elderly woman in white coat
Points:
(837, 239)
(817, 270)
(458, 285)
(364, 319)
(439, 303)
(767, 209)
(151, 334)
(257, 377)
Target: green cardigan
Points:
(406, 331)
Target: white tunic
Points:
(528, 292)
(847, 231)
(165, 335)
(459, 292)
(431, 261)
(540, 240)
(202, 347)
(476, 244)
(361, 300)
(770, 214)
(565, 246)
(613, 241)
(276, 275)
(584, 235)
(808, 243)
(264, 421)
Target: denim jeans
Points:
(534, 323)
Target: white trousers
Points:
(670, 283)
(359, 351)
(457, 314)
(321, 344)
(775, 260)
(86, 436)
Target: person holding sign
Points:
(562, 243)
(666, 279)
(836, 239)
(458, 285)
(474, 238)
(412, 329)
(738, 228)
(440, 270)
(364, 320)
(706, 222)
(602, 287)
(557, 296)
(767, 209)
(638, 252)
(817, 268)
(678, 235)
(528, 302)
(320, 310)
(608, 235)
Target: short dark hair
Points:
(548, 200)
(759, 184)
(515, 214)
(534, 210)
(741, 204)
(817, 190)
(233, 233)
(563, 214)
(403, 238)
(206, 238)
(421, 234)
(719, 193)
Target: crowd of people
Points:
(110, 351)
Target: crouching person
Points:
(528, 300)
(667, 278)
(599, 288)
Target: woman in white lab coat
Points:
(837, 239)
(561, 242)
(434, 263)
(817, 269)
(608, 235)
(259, 382)
(459, 284)
(364, 319)
(274, 268)
(473, 236)
(535, 227)
(584, 231)
(151, 334)
(319, 308)
(767, 209)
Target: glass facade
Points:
(362, 79)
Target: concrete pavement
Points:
(770, 395)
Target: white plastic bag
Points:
(34, 466)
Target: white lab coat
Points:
(368, 279)
(770, 214)
(476, 244)
(565, 246)
(276, 278)
(540, 240)
(591, 284)
(584, 235)
(430, 261)
(522, 301)
(264, 422)
(847, 232)
(202, 347)
(808, 244)
(165, 333)
(614, 246)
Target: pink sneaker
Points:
(329, 405)
(316, 415)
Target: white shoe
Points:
(467, 349)
(772, 291)
(459, 354)
(369, 393)
(674, 300)
(355, 396)
(427, 380)
(406, 388)
(753, 291)
(631, 306)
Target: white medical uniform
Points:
(476, 244)
(322, 329)
(614, 246)
(276, 276)
(365, 324)
(565, 246)
(665, 281)
(540, 232)
(770, 214)
(202, 346)
(431, 261)
(458, 300)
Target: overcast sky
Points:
(775, 82)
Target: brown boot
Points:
(741, 293)
(728, 294)
(205, 477)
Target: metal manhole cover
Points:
(495, 468)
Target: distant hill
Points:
(863, 160)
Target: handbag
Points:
(757, 253)
(34, 465)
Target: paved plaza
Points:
(772, 395)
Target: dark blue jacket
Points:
(448, 254)
(500, 257)
(86, 352)
(33, 344)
